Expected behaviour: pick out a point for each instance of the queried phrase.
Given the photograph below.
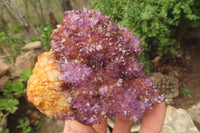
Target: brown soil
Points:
(190, 79)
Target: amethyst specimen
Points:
(100, 69)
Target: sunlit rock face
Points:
(98, 66)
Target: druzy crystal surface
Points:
(99, 72)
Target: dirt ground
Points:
(190, 78)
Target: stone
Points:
(194, 112)
(32, 45)
(169, 85)
(178, 121)
(3, 80)
(24, 61)
(3, 67)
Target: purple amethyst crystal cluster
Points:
(100, 68)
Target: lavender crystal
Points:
(100, 67)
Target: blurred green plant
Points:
(27, 127)
(45, 38)
(12, 92)
(17, 89)
(38, 123)
(5, 130)
(186, 92)
(14, 28)
(3, 40)
(25, 74)
(154, 21)
(9, 105)
(14, 89)
(10, 44)
(24, 125)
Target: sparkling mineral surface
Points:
(92, 71)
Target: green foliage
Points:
(17, 89)
(9, 105)
(7, 59)
(186, 92)
(38, 123)
(14, 89)
(10, 42)
(3, 40)
(154, 21)
(145, 62)
(6, 130)
(196, 11)
(24, 125)
(25, 74)
(45, 38)
(14, 28)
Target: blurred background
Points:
(170, 35)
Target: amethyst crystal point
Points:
(99, 66)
